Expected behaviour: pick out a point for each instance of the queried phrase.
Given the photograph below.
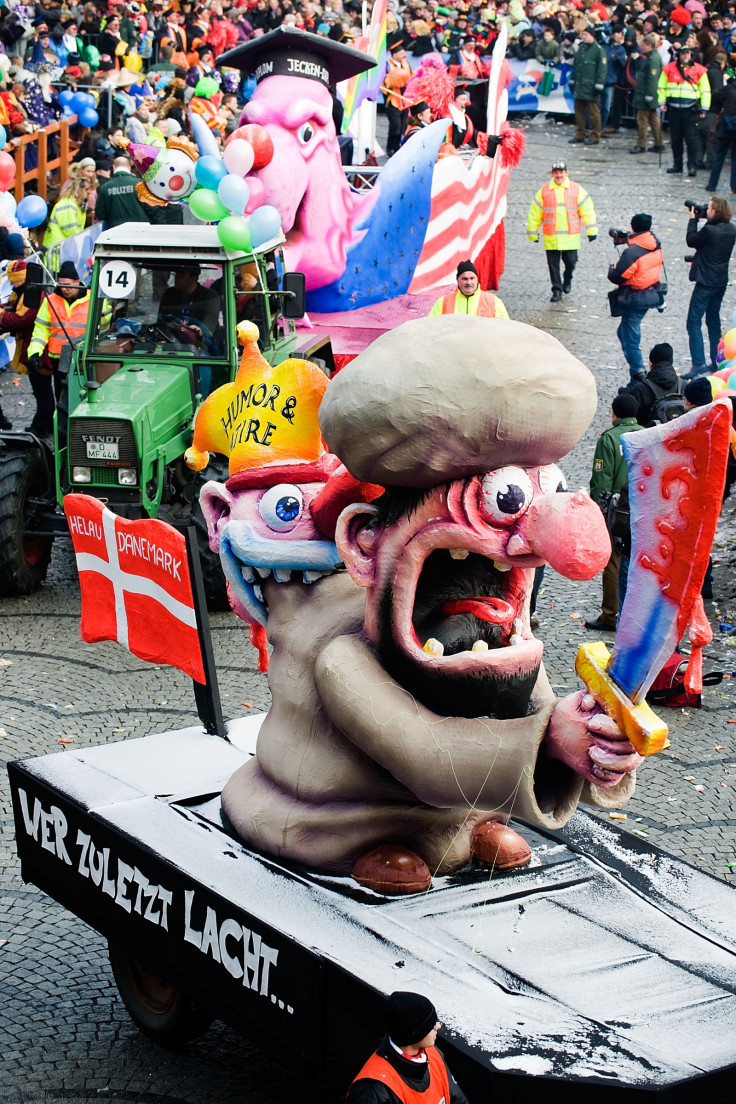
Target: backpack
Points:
(669, 686)
(666, 407)
(615, 507)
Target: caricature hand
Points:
(590, 742)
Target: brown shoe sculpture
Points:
(495, 844)
(393, 870)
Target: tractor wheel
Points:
(24, 560)
(161, 1010)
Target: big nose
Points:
(568, 531)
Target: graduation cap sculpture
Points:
(291, 52)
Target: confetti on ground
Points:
(689, 778)
(575, 616)
(66, 740)
(617, 816)
(3, 734)
(248, 705)
(700, 789)
(6, 663)
(719, 747)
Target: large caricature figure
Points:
(410, 703)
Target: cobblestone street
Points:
(64, 1033)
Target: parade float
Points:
(406, 812)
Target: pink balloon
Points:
(7, 171)
(257, 194)
(238, 156)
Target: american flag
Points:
(468, 196)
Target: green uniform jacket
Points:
(647, 80)
(609, 467)
(118, 202)
(588, 71)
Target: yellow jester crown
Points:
(267, 416)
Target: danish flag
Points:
(135, 584)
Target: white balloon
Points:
(7, 199)
(238, 156)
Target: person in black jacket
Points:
(407, 1062)
(660, 380)
(713, 245)
(723, 102)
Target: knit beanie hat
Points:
(698, 391)
(16, 272)
(68, 271)
(625, 406)
(661, 352)
(465, 266)
(409, 1017)
(640, 223)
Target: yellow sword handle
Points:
(639, 723)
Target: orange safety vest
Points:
(549, 210)
(75, 324)
(378, 1069)
(486, 304)
(647, 269)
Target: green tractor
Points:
(160, 338)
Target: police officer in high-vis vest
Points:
(61, 317)
(469, 299)
(407, 1068)
(561, 207)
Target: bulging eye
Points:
(505, 495)
(552, 479)
(305, 133)
(281, 507)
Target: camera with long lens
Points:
(620, 237)
(697, 210)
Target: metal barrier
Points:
(45, 165)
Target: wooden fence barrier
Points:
(67, 149)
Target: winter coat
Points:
(638, 269)
(713, 245)
(648, 72)
(664, 380)
(609, 466)
(724, 103)
(414, 1075)
(715, 77)
(616, 59)
(547, 52)
(588, 71)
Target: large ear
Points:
(216, 502)
(356, 539)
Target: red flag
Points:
(135, 583)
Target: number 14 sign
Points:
(117, 280)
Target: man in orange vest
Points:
(398, 75)
(561, 207)
(62, 317)
(407, 1068)
(637, 274)
(469, 299)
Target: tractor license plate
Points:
(103, 450)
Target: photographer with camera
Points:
(638, 276)
(713, 245)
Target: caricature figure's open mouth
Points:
(454, 630)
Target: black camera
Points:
(620, 237)
(697, 210)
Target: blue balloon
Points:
(32, 210)
(234, 193)
(67, 113)
(265, 223)
(66, 97)
(88, 117)
(79, 101)
(209, 171)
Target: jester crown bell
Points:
(266, 420)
